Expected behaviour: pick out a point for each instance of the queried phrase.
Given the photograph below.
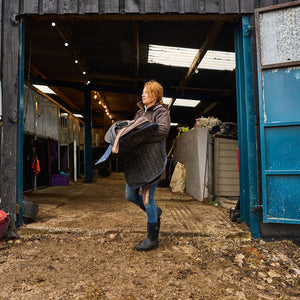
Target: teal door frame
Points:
(249, 203)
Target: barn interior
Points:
(111, 56)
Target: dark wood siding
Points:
(9, 128)
(143, 7)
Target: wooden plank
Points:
(101, 6)
(132, 6)
(152, 6)
(212, 6)
(29, 6)
(88, 6)
(48, 7)
(202, 6)
(1, 18)
(229, 174)
(162, 7)
(247, 6)
(229, 181)
(228, 190)
(191, 6)
(231, 7)
(148, 6)
(111, 7)
(227, 167)
(264, 3)
(171, 6)
(142, 7)
(229, 155)
(67, 6)
(226, 161)
(9, 149)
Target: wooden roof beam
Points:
(35, 71)
(208, 42)
(136, 48)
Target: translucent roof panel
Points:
(183, 57)
(182, 102)
(45, 89)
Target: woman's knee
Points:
(129, 196)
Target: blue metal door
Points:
(278, 48)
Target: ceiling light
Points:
(182, 102)
(173, 124)
(99, 102)
(66, 44)
(88, 82)
(53, 24)
(95, 97)
(78, 115)
(183, 57)
(83, 72)
(44, 89)
(76, 61)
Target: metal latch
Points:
(247, 30)
(257, 207)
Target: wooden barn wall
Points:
(142, 7)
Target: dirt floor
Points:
(82, 247)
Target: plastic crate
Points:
(58, 179)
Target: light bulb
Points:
(84, 72)
(66, 44)
(53, 24)
(95, 96)
(76, 61)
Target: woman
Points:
(155, 111)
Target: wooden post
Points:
(9, 129)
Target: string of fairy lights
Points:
(96, 95)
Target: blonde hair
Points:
(155, 89)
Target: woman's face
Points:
(148, 100)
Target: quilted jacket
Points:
(160, 115)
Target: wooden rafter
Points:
(203, 89)
(136, 48)
(208, 42)
(208, 108)
(35, 71)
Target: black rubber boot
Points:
(151, 242)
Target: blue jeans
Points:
(133, 196)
